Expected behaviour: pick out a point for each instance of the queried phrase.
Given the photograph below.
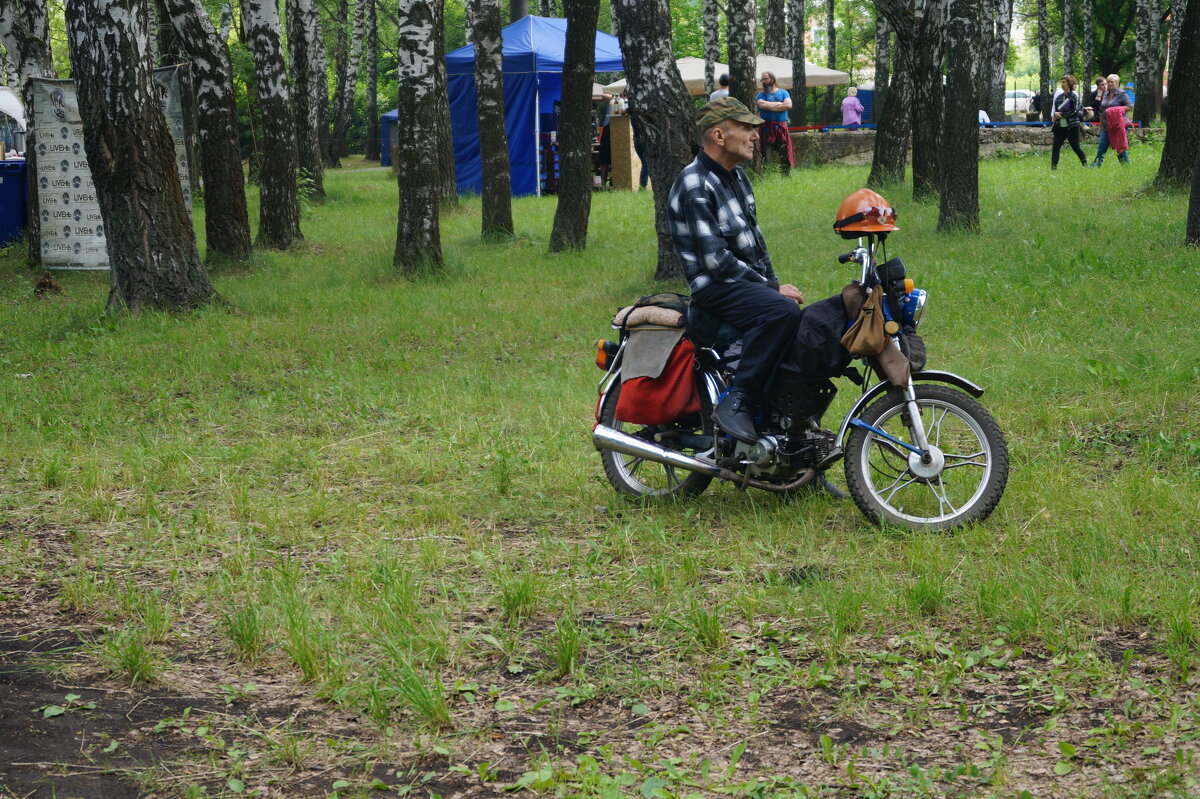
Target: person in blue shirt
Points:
(773, 105)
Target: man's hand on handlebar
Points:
(792, 293)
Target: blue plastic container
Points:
(12, 200)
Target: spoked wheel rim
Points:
(910, 490)
(654, 479)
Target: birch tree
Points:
(919, 27)
(1089, 45)
(1192, 236)
(371, 48)
(959, 175)
(447, 183)
(660, 103)
(226, 220)
(830, 59)
(894, 122)
(712, 44)
(775, 30)
(1182, 144)
(549, 9)
(489, 104)
(741, 21)
(518, 9)
(279, 211)
(311, 88)
(418, 233)
(1043, 38)
(153, 258)
(348, 55)
(1178, 7)
(1069, 48)
(883, 63)
(1146, 60)
(998, 56)
(799, 112)
(575, 128)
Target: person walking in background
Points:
(774, 104)
(1114, 97)
(724, 90)
(1096, 98)
(1068, 115)
(852, 107)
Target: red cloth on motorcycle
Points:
(662, 399)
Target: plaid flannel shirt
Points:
(715, 228)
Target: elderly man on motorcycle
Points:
(714, 225)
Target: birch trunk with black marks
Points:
(987, 40)
(1043, 38)
(226, 220)
(999, 57)
(712, 45)
(418, 233)
(279, 211)
(575, 128)
(447, 182)
(496, 196)
(1089, 46)
(959, 186)
(518, 9)
(894, 123)
(741, 19)
(799, 112)
(310, 88)
(920, 25)
(1182, 143)
(1146, 61)
(1178, 9)
(372, 52)
(660, 103)
(1069, 48)
(153, 259)
(883, 64)
(549, 8)
(775, 30)
(349, 54)
(1192, 236)
(830, 61)
(25, 34)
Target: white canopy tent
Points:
(10, 104)
(691, 69)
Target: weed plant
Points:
(391, 480)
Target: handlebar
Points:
(845, 258)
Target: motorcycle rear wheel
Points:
(890, 486)
(642, 479)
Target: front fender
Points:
(926, 376)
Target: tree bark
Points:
(959, 195)
(894, 127)
(279, 211)
(372, 50)
(999, 55)
(348, 55)
(518, 9)
(418, 232)
(1044, 80)
(830, 60)
(1192, 237)
(548, 9)
(575, 128)
(1146, 60)
(883, 65)
(775, 30)
(153, 258)
(226, 220)
(712, 44)
(311, 89)
(1089, 46)
(799, 112)
(920, 25)
(1178, 12)
(496, 197)
(1069, 49)
(741, 19)
(1182, 144)
(660, 103)
(447, 182)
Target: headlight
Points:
(912, 306)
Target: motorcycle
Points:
(918, 449)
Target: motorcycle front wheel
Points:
(961, 484)
(639, 478)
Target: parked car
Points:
(1017, 101)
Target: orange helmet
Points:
(864, 211)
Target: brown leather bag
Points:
(866, 336)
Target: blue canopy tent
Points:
(533, 65)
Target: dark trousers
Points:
(776, 153)
(1071, 134)
(768, 322)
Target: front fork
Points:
(920, 442)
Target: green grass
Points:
(381, 488)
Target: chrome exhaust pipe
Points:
(605, 437)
